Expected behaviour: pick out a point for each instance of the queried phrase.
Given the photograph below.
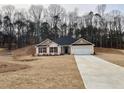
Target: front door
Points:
(66, 50)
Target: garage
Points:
(82, 47)
(84, 50)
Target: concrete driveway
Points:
(98, 73)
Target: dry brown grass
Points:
(28, 58)
(112, 55)
(46, 72)
(29, 50)
(8, 67)
(108, 50)
(2, 49)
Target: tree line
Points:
(23, 27)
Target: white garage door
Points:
(82, 50)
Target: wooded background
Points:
(21, 27)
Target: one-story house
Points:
(64, 45)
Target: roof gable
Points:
(82, 41)
(45, 42)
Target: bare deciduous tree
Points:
(56, 13)
(101, 9)
(36, 14)
(8, 10)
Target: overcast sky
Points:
(83, 8)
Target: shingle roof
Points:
(65, 40)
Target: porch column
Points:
(59, 50)
(37, 52)
(48, 52)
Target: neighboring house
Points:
(64, 45)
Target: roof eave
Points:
(83, 44)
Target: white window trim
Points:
(53, 50)
(42, 50)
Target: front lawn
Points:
(115, 56)
(45, 72)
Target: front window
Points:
(53, 49)
(42, 49)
